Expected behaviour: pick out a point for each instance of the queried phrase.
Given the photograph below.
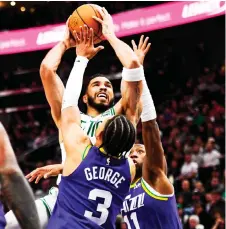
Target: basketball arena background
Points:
(185, 71)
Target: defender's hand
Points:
(45, 172)
(84, 43)
(142, 48)
(107, 23)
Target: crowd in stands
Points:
(188, 88)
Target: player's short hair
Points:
(91, 78)
(118, 136)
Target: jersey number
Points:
(102, 208)
(133, 217)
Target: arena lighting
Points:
(13, 3)
(32, 10)
(22, 8)
(2, 4)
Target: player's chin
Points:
(103, 102)
(137, 165)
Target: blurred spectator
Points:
(211, 156)
(174, 169)
(208, 198)
(180, 201)
(215, 185)
(40, 140)
(198, 194)
(219, 136)
(181, 214)
(189, 169)
(197, 156)
(199, 187)
(193, 223)
(204, 217)
(219, 222)
(201, 144)
(217, 203)
(186, 193)
(216, 109)
(199, 119)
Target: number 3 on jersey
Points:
(102, 208)
(133, 217)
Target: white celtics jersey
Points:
(89, 125)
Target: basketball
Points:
(83, 15)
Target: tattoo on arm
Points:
(19, 197)
(137, 93)
(132, 97)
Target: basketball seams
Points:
(87, 24)
(99, 25)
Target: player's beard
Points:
(100, 107)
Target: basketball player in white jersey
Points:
(98, 98)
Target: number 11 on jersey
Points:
(133, 217)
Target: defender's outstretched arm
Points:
(151, 133)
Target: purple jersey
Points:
(144, 208)
(92, 196)
(2, 218)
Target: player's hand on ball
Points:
(68, 39)
(45, 172)
(107, 23)
(84, 43)
(142, 49)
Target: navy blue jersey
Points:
(2, 218)
(92, 196)
(144, 208)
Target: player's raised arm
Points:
(53, 86)
(152, 141)
(75, 139)
(151, 135)
(15, 189)
(132, 74)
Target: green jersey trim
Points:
(150, 193)
(46, 206)
(86, 151)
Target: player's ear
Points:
(85, 99)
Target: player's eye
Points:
(95, 84)
(108, 85)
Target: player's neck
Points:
(92, 112)
(136, 178)
(98, 142)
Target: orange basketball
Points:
(83, 15)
